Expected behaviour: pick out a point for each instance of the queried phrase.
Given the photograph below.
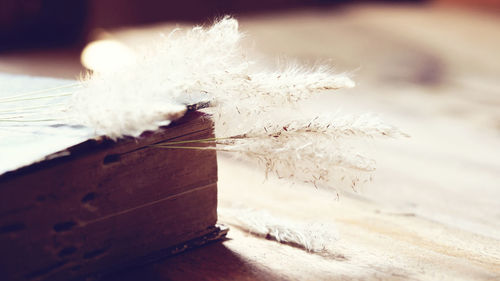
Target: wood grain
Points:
(433, 211)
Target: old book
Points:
(92, 206)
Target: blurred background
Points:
(46, 37)
(431, 68)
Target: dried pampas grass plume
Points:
(209, 65)
(202, 64)
(247, 102)
(312, 237)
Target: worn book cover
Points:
(73, 203)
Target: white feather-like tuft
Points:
(313, 237)
(210, 65)
(186, 67)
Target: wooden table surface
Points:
(433, 210)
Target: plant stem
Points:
(27, 121)
(41, 91)
(185, 147)
(17, 109)
(35, 98)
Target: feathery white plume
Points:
(312, 237)
(210, 65)
(200, 64)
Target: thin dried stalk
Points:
(41, 91)
(307, 150)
